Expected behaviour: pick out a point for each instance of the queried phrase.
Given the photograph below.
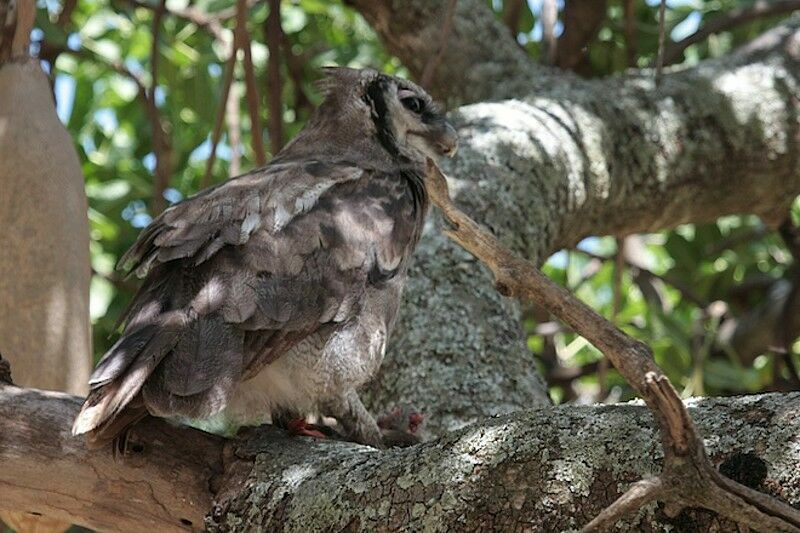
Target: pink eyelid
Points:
(405, 93)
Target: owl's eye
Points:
(414, 104)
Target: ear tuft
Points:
(343, 79)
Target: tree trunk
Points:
(44, 243)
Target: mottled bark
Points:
(538, 470)
(548, 469)
(615, 157)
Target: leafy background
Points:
(677, 290)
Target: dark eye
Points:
(414, 104)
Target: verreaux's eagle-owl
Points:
(275, 291)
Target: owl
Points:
(273, 294)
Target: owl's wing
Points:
(228, 214)
(243, 272)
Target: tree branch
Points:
(582, 21)
(688, 478)
(274, 37)
(433, 63)
(216, 134)
(549, 43)
(527, 468)
(729, 20)
(160, 481)
(250, 84)
(161, 143)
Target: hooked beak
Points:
(446, 140)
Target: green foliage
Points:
(669, 306)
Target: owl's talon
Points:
(299, 427)
(400, 426)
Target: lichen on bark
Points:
(537, 470)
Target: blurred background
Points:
(165, 98)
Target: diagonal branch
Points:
(729, 20)
(216, 134)
(688, 478)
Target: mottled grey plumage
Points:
(275, 292)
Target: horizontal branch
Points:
(160, 482)
(555, 468)
(545, 470)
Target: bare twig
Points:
(227, 80)
(161, 143)
(662, 30)
(688, 478)
(729, 20)
(549, 17)
(639, 494)
(234, 121)
(433, 63)
(208, 21)
(294, 66)
(273, 36)
(250, 84)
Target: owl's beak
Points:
(446, 140)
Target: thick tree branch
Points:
(412, 30)
(527, 468)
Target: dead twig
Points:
(433, 63)
(688, 478)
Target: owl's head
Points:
(404, 118)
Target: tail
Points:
(119, 378)
(177, 358)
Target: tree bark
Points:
(537, 470)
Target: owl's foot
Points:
(300, 427)
(400, 427)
